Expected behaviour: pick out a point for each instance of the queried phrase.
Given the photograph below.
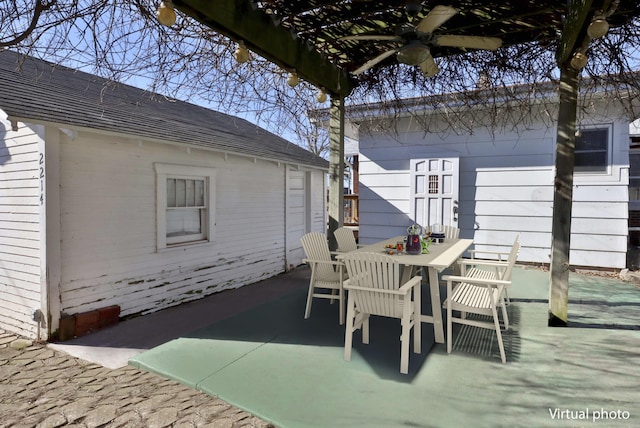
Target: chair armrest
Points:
(327, 262)
(478, 262)
(477, 281)
(500, 254)
(347, 286)
(414, 281)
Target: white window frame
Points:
(165, 171)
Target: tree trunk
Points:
(563, 197)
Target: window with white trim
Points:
(185, 205)
(593, 150)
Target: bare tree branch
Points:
(122, 40)
(39, 7)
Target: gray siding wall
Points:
(506, 187)
(20, 266)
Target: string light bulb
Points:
(578, 61)
(293, 80)
(242, 53)
(322, 96)
(166, 14)
(598, 26)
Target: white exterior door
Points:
(296, 216)
(434, 191)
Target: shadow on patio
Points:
(270, 361)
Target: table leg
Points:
(417, 324)
(407, 271)
(436, 309)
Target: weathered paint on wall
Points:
(108, 249)
(102, 239)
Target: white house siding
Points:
(506, 188)
(108, 249)
(20, 278)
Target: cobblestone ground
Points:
(40, 387)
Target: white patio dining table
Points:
(440, 257)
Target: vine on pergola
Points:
(122, 40)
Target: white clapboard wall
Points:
(20, 232)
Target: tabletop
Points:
(440, 256)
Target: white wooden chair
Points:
(480, 289)
(374, 289)
(327, 275)
(346, 240)
(500, 256)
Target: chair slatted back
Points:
(346, 239)
(451, 232)
(511, 260)
(316, 247)
(374, 272)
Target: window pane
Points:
(181, 193)
(191, 193)
(184, 217)
(591, 162)
(634, 163)
(634, 189)
(592, 139)
(200, 193)
(171, 192)
(592, 150)
(183, 222)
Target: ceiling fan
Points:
(415, 40)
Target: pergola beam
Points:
(336, 168)
(574, 30)
(240, 20)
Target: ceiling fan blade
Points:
(471, 42)
(367, 65)
(429, 67)
(438, 16)
(371, 37)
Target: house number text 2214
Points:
(41, 162)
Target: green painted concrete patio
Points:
(265, 358)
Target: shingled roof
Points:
(41, 92)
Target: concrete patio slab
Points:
(252, 348)
(291, 371)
